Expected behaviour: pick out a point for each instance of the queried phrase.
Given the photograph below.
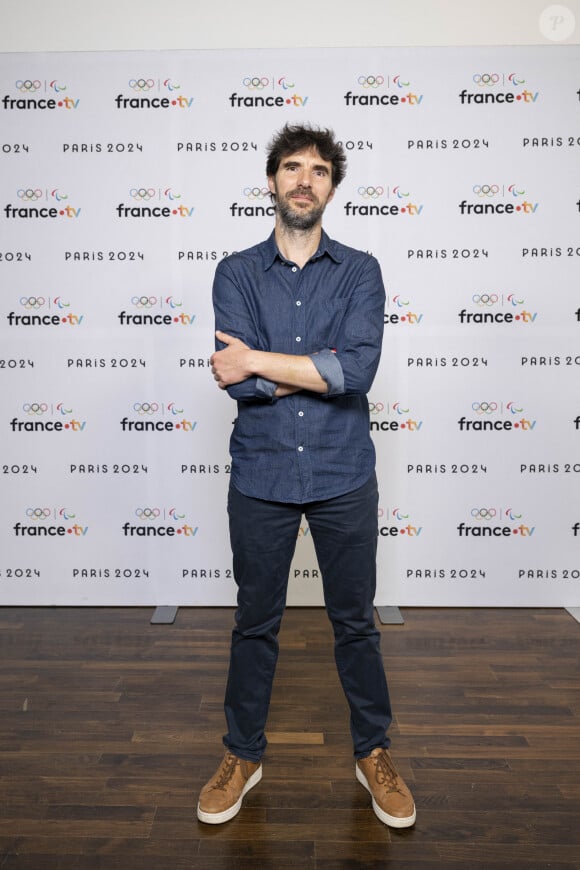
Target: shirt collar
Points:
(326, 246)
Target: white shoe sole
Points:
(226, 815)
(386, 819)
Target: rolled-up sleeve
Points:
(350, 368)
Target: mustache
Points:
(301, 191)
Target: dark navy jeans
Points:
(263, 537)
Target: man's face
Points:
(302, 186)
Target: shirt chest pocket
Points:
(324, 330)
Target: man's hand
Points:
(230, 365)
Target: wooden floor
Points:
(109, 726)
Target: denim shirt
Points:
(306, 446)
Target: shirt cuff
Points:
(330, 370)
(265, 389)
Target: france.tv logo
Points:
(44, 311)
(267, 92)
(157, 417)
(38, 202)
(492, 416)
(383, 200)
(154, 93)
(47, 417)
(397, 522)
(46, 522)
(490, 307)
(385, 417)
(377, 89)
(491, 522)
(38, 94)
(400, 311)
(489, 88)
(170, 200)
(158, 522)
(504, 199)
(155, 311)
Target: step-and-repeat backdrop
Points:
(126, 177)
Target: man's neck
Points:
(297, 245)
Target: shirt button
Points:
(300, 413)
(294, 268)
(300, 449)
(299, 303)
(298, 338)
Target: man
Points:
(299, 322)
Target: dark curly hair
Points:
(297, 137)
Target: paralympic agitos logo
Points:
(396, 522)
(37, 202)
(489, 88)
(377, 89)
(154, 93)
(400, 312)
(40, 94)
(169, 199)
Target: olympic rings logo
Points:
(37, 408)
(486, 79)
(144, 301)
(141, 84)
(371, 81)
(255, 83)
(484, 407)
(38, 513)
(28, 86)
(485, 298)
(370, 192)
(32, 301)
(146, 407)
(483, 513)
(147, 513)
(485, 189)
(142, 192)
(376, 407)
(256, 192)
(29, 194)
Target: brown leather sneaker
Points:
(221, 798)
(392, 801)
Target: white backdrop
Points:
(126, 176)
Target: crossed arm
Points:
(237, 361)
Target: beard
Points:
(298, 220)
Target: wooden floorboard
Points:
(109, 726)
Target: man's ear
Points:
(331, 194)
(271, 185)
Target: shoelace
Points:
(229, 766)
(386, 774)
